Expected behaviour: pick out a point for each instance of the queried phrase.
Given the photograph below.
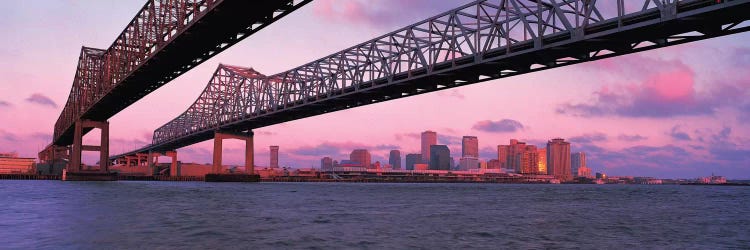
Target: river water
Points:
(186, 215)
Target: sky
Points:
(676, 112)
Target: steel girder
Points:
(165, 39)
(483, 40)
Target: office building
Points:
(274, 163)
(470, 147)
(577, 160)
(468, 163)
(502, 156)
(412, 159)
(361, 156)
(542, 160)
(394, 159)
(429, 138)
(326, 163)
(558, 159)
(440, 157)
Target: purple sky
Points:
(675, 112)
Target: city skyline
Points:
(663, 113)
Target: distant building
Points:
(412, 159)
(527, 160)
(394, 159)
(515, 153)
(362, 156)
(10, 163)
(558, 159)
(584, 172)
(421, 166)
(542, 161)
(326, 163)
(502, 155)
(429, 138)
(467, 163)
(470, 147)
(577, 160)
(493, 164)
(440, 157)
(601, 175)
(274, 163)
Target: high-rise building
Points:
(515, 153)
(440, 157)
(361, 156)
(274, 163)
(395, 159)
(542, 165)
(470, 147)
(527, 160)
(412, 159)
(326, 163)
(558, 159)
(502, 155)
(577, 160)
(429, 138)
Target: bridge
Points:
(480, 41)
(165, 39)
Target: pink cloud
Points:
(662, 88)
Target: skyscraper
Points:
(428, 138)
(326, 163)
(274, 162)
(361, 156)
(440, 157)
(515, 153)
(468, 163)
(502, 156)
(412, 159)
(395, 159)
(527, 160)
(470, 147)
(577, 160)
(542, 165)
(558, 159)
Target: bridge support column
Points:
(153, 159)
(75, 169)
(216, 174)
(173, 166)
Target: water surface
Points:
(123, 214)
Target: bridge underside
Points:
(227, 23)
(690, 21)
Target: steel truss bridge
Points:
(165, 39)
(480, 41)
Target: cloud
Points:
(661, 89)
(403, 136)
(631, 138)
(5, 104)
(676, 134)
(589, 138)
(41, 100)
(449, 139)
(501, 126)
(337, 149)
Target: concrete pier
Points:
(88, 176)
